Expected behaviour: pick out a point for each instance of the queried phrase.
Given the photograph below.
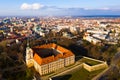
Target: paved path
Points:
(67, 71)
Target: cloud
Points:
(25, 6)
(73, 11)
(34, 6)
(105, 8)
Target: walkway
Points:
(63, 71)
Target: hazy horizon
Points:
(59, 7)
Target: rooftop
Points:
(45, 52)
(50, 52)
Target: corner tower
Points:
(29, 56)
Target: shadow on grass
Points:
(64, 77)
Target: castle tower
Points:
(29, 56)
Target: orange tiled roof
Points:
(51, 45)
(65, 53)
(58, 56)
(54, 45)
(47, 60)
(61, 49)
(37, 58)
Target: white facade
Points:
(91, 39)
(46, 68)
(29, 57)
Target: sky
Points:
(59, 7)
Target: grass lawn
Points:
(89, 62)
(81, 74)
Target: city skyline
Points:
(59, 7)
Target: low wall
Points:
(101, 65)
(93, 59)
(95, 67)
(87, 67)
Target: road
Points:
(101, 74)
(108, 70)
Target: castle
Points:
(48, 58)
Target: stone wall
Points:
(93, 59)
(101, 65)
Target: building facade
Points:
(48, 58)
